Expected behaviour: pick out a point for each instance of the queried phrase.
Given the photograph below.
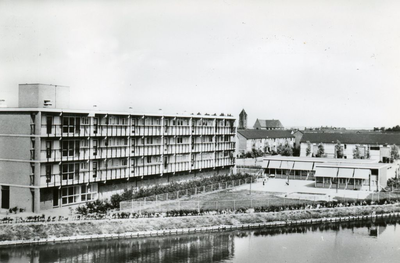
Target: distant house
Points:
(264, 140)
(268, 125)
(370, 145)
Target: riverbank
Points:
(28, 233)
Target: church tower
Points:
(242, 120)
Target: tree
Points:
(321, 150)
(394, 152)
(394, 129)
(285, 150)
(338, 150)
(356, 153)
(308, 149)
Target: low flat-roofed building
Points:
(350, 174)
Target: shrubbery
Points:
(101, 206)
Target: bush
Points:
(101, 206)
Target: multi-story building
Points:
(263, 140)
(369, 145)
(52, 157)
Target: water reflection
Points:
(237, 246)
(200, 248)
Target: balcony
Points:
(203, 164)
(146, 130)
(177, 130)
(177, 148)
(101, 175)
(148, 169)
(145, 150)
(173, 167)
(113, 130)
(204, 147)
(225, 161)
(57, 155)
(225, 146)
(202, 130)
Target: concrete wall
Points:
(46, 198)
(15, 123)
(21, 197)
(241, 144)
(15, 148)
(15, 173)
(33, 96)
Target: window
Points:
(95, 144)
(124, 162)
(70, 171)
(227, 139)
(69, 195)
(165, 161)
(88, 192)
(48, 149)
(84, 166)
(85, 121)
(48, 173)
(148, 159)
(95, 125)
(85, 143)
(69, 148)
(149, 140)
(179, 140)
(94, 169)
(374, 148)
(71, 124)
(49, 123)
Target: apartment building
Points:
(52, 156)
(369, 145)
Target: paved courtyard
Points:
(301, 186)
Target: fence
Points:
(271, 202)
(195, 191)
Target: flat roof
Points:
(354, 165)
(102, 112)
(317, 160)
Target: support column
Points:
(36, 180)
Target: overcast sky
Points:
(306, 63)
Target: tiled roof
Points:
(270, 123)
(261, 134)
(353, 138)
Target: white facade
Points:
(376, 152)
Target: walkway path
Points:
(300, 186)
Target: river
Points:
(372, 241)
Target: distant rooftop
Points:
(352, 138)
(262, 134)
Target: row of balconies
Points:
(113, 173)
(123, 130)
(84, 153)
